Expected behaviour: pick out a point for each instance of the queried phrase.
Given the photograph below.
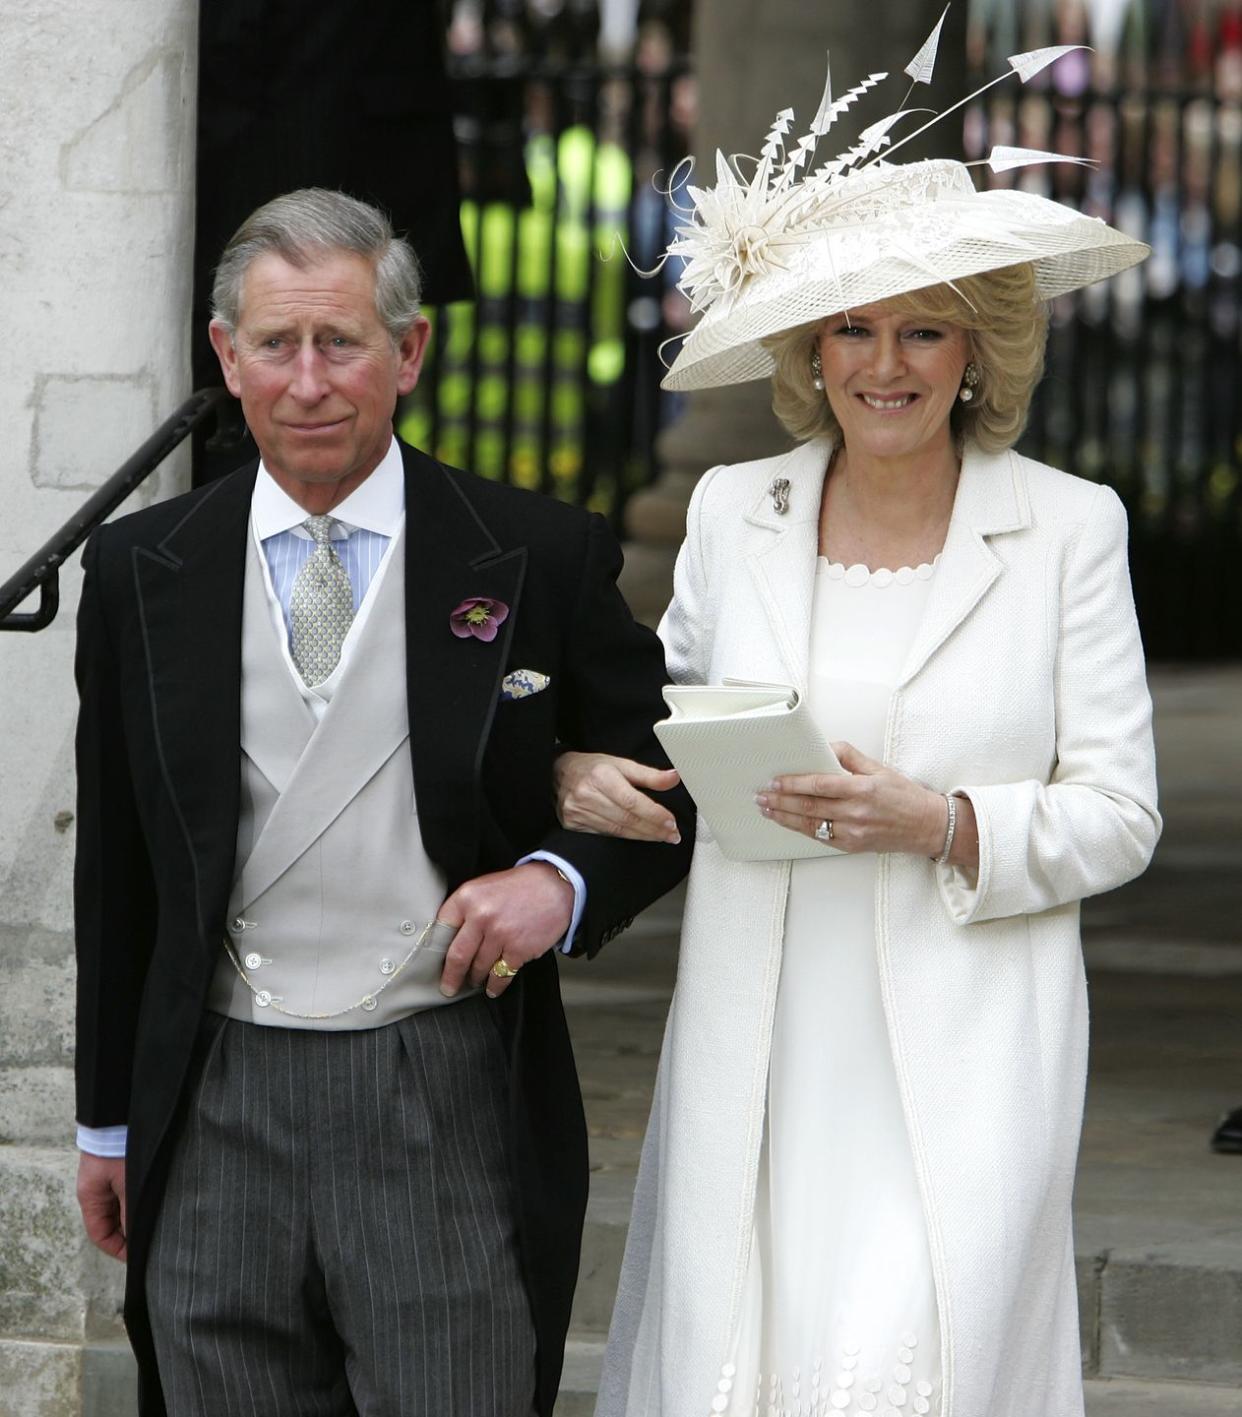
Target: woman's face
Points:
(892, 379)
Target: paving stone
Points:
(603, 1245)
(109, 1381)
(580, 1378)
(1173, 1312)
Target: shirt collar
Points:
(376, 504)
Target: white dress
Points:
(840, 1317)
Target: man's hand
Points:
(515, 915)
(101, 1197)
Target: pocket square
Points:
(522, 683)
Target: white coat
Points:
(1024, 690)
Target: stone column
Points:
(751, 61)
(96, 208)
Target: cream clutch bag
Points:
(728, 741)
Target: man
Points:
(321, 700)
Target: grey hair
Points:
(303, 227)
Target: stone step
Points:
(1105, 1397)
(580, 1378)
(1121, 1398)
(1163, 1311)
(1169, 1311)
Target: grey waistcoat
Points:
(334, 887)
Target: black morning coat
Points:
(159, 765)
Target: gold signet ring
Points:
(502, 970)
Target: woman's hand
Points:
(607, 796)
(872, 808)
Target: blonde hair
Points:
(1006, 327)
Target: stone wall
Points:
(96, 203)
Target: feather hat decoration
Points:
(786, 238)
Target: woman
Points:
(855, 1188)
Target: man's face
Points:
(317, 373)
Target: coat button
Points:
(263, 998)
(239, 923)
(369, 1003)
(407, 927)
(253, 960)
(387, 966)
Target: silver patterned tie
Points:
(321, 608)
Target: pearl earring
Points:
(970, 382)
(817, 370)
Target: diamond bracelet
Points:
(949, 832)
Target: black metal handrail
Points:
(42, 571)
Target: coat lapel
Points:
(990, 499)
(189, 591)
(782, 563)
(453, 684)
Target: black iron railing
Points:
(42, 572)
(1144, 382)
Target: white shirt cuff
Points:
(574, 877)
(103, 1141)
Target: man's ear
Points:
(222, 342)
(410, 352)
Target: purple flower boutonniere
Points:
(478, 617)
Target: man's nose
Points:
(309, 383)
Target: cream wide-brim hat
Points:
(893, 228)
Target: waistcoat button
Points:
(387, 966)
(263, 998)
(369, 1003)
(407, 927)
(253, 960)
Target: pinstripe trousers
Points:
(337, 1238)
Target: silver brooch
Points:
(780, 496)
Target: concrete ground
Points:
(1158, 1215)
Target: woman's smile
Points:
(888, 403)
